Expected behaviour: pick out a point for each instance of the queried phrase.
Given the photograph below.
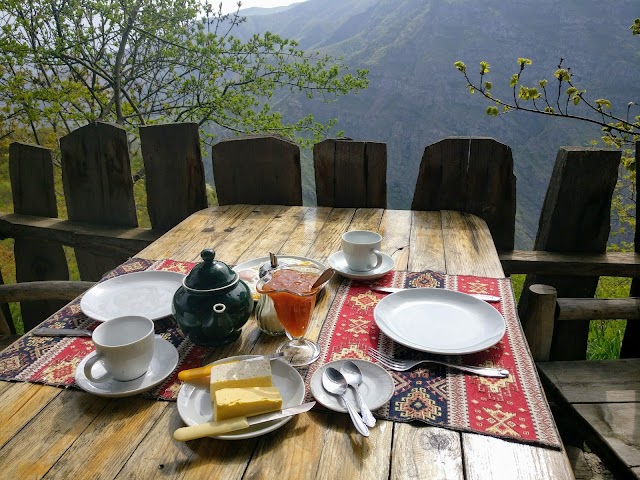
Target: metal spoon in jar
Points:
(353, 376)
(334, 382)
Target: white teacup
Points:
(361, 250)
(124, 346)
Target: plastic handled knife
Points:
(185, 434)
(61, 332)
(479, 296)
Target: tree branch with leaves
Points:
(64, 63)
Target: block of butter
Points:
(245, 402)
(254, 372)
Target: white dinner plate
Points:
(339, 264)
(249, 270)
(147, 294)
(194, 400)
(439, 321)
(376, 388)
(164, 361)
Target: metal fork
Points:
(403, 365)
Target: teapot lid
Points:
(210, 274)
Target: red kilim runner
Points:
(510, 408)
(53, 360)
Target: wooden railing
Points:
(469, 174)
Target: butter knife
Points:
(185, 434)
(61, 332)
(479, 296)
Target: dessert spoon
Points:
(334, 382)
(353, 376)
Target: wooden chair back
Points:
(473, 175)
(575, 218)
(259, 169)
(350, 174)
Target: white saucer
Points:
(165, 360)
(376, 388)
(194, 400)
(339, 264)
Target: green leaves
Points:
(460, 66)
(562, 74)
(136, 62)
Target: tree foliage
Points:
(64, 63)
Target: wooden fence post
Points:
(473, 175)
(575, 218)
(33, 191)
(350, 174)
(631, 341)
(539, 321)
(98, 187)
(258, 169)
(174, 174)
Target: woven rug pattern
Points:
(510, 408)
(53, 360)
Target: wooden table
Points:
(56, 433)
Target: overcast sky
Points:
(231, 5)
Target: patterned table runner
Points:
(509, 408)
(53, 360)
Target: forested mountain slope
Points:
(416, 96)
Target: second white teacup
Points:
(124, 346)
(361, 250)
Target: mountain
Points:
(416, 96)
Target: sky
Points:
(231, 5)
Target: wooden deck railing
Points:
(456, 173)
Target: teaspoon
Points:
(353, 376)
(334, 382)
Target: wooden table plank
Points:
(421, 452)
(20, 404)
(109, 440)
(491, 458)
(63, 419)
(159, 456)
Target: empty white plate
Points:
(146, 294)
(439, 321)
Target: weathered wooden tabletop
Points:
(64, 433)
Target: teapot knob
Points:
(208, 255)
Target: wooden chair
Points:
(594, 402)
(259, 169)
(350, 174)
(473, 175)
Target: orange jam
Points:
(293, 298)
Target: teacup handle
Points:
(378, 255)
(89, 366)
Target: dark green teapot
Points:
(213, 303)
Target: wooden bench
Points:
(594, 401)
